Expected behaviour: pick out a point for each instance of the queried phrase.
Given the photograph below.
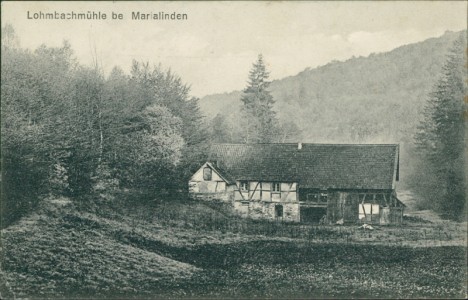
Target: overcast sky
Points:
(213, 49)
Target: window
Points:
(279, 211)
(275, 187)
(313, 197)
(317, 197)
(207, 174)
(323, 197)
(244, 185)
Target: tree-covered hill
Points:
(377, 98)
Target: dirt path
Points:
(411, 202)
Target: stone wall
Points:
(268, 210)
(226, 196)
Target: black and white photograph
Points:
(234, 150)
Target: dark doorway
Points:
(312, 214)
(279, 211)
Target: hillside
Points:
(366, 99)
(188, 249)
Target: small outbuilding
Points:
(307, 183)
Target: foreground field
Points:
(174, 250)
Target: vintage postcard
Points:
(233, 149)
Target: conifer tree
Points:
(260, 123)
(440, 139)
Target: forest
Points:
(69, 130)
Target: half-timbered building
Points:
(304, 182)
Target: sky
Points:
(214, 48)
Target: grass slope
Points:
(63, 253)
(171, 250)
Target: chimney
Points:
(299, 146)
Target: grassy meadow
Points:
(188, 249)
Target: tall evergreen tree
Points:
(440, 139)
(260, 124)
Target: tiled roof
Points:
(223, 173)
(362, 166)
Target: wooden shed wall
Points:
(350, 207)
(343, 205)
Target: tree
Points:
(167, 89)
(148, 156)
(289, 132)
(219, 130)
(440, 139)
(34, 92)
(9, 38)
(78, 134)
(259, 118)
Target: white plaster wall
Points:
(291, 196)
(266, 186)
(198, 176)
(275, 197)
(237, 195)
(221, 187)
